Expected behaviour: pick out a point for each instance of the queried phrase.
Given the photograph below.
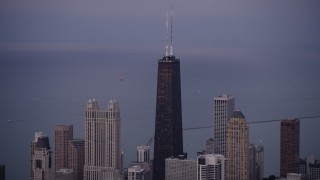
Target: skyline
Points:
(252, 40)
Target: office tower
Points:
(223, 109)
(168, 126)
(41, 158)
(135, 172)
(2, 172)
(209, 146)
(302, 166)
(256, 162)
(295, 176)
(180, 168)
(210, 167)
(314, 170)
(143, 153)
(62, 135)
(289, 146)
(102, 141)
(76, 157)
(237, 147)
(64, 174)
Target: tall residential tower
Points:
(62, 135)
(168, 126)
(289, 146)
(102, 141)
(223, 109)
(237, 147)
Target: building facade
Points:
(256, 162)
(62, 135)
(76, 158)
(64, 174)
(223, 109)
(237, 147)
(210, 167)
(289, 146)
(135, 172)
(103, 155)
(210, 146)
(168, 124)
(143, 153)
(180, 168)
(41, 158)
(2, 172)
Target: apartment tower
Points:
(76, 158)
(62, 135)
(41, 159)
(210, 166)
(237, 147)
(102, 141)
(223, 109)
(289, 146)
(168, 124)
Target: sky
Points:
(277, 41)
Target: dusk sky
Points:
(230, 29)
(55, 55)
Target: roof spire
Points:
(167, 35)
(169, 45)
(171, 29)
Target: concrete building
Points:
(76, 158)
(295, 176)
(209, 146)
(64, 174)
(210, 167)
(103, 155)
(143, 153)
(41, 158)
(180, 168)
(223, 109)
(256, 162)
(135, 172)
(289, 146)
(62, 135)
(314, 170)
(237, 147)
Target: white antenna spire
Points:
(167, 35)
(171, 18)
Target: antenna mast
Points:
(167, 35)
(171, 29)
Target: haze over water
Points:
(266, 55)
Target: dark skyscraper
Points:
(290, 135)
(168, 126)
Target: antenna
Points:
(167, 35)
(171, 18)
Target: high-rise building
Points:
(223, 109)
(168, 125)
(237, 147)
(62, 135)
(41, 158)
(209, 146)
(64, 174)
(210, 167)
(180, 168)
(2, 172)
(76, 158)
(314, 170)
(102, 141)
(256, 162)
(135, 172)
(289, 146)
(143, 153)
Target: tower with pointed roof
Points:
(237, 147)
